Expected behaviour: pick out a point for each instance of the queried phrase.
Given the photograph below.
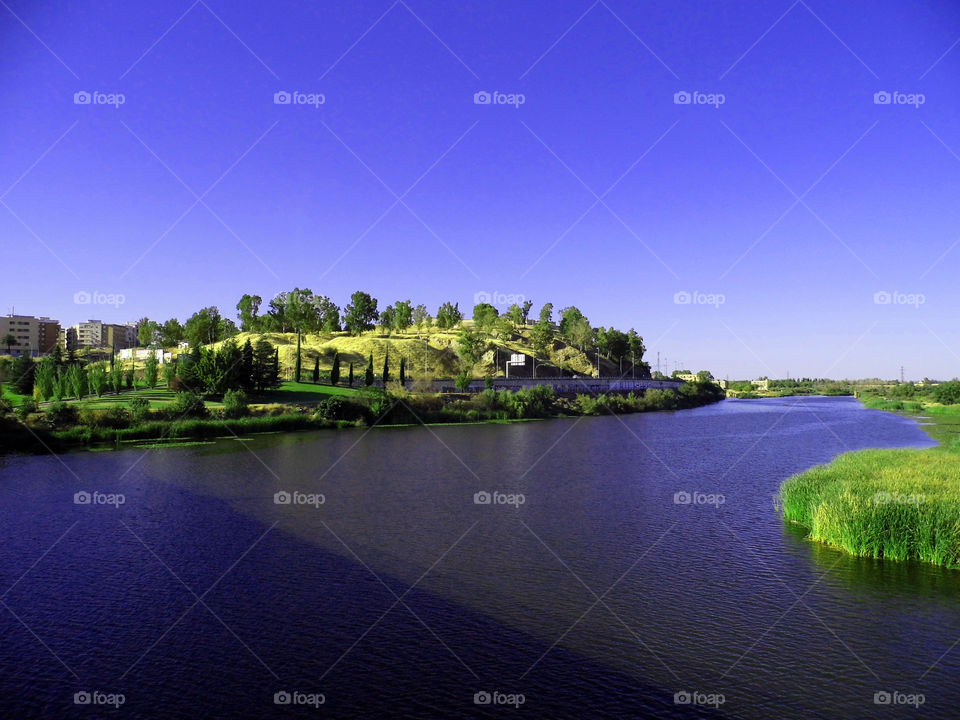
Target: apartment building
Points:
(97, 334)
(34, 335)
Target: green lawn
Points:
(302, 392)
(10, 396)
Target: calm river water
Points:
(601, 594)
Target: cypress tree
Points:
(368, 375)
(335, 370)
(316, 369)
(350, 378)
(403, 371)
(386, 368)
(297, 366)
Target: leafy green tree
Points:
(76, 381)
(116, 377)
(403, 371)
(245, 367)
(484, 316)
(334, 370)
(316, 369)
(248, 310)
(449, 316)
(170, 373)
(171, 333)
(386, 368)
(546, 313)
(471, 347)
(541, 337)
(45, 377)
(265, 374)
(368, 375)
(402, 315)
(947, 393)
(361, 313)
(97, 378)
(462, 381)
(147, 332)
(22, 374)
(387, 318)
(420, 318)
(515, 313)
(525, 310)
(636, 346)
(150, 370)
(204, 327)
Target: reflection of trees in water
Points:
(872, 575)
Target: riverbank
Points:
(63, 426)
(897, 504)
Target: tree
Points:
(402, 315)
(618, 344)
(484, 316)
(147, 332)
(387, 317)
(575, 328)
(947, 393)
(403, 371)
(636, 346)
(546, 313)
(116, 377)
(386, 369)
(515, 313)
(9, 340)
(45, 377)
(171, 333)
(151, 370)
(361, 313)
(449, 316)
(298, 364)
(97, 378)
(541, 337)
(245, 368)
(265, 374)
(316, 369)
(420, 317)
(22, 374)
(471, 347)
(368, 375)
(350, 376)
(203, 327)
(334, 370)
(247, 312)
(76, 380)
(525, 310)
(170, 373)
(462, 381)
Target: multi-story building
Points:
(97, 334)
(34, 335)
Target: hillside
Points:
(431, 354)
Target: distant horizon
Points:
(759, 190)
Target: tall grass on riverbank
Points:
(897, 504)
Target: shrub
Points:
(25, 408)
(139, 409)
(235, 404)
(186, 404)
(60, 415)
(116, 417)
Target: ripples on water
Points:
(598, 597)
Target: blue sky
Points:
(788, 215)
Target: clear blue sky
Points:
(704, 198)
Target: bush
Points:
(25, 408)
(139, 409)
(235, 404)
(947, 393)
(186, 404)
(61, 415)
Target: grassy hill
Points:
(431, 354)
